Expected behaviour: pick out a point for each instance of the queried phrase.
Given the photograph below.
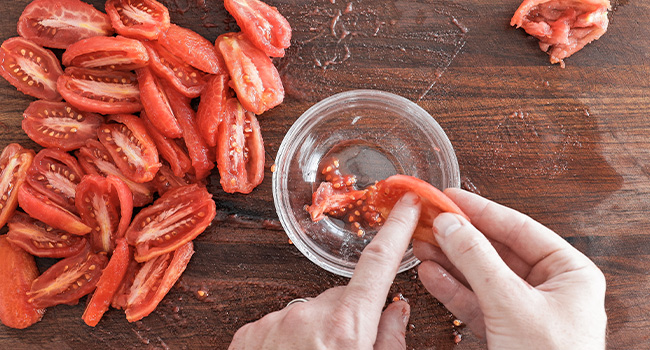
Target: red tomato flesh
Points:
(168, 149)
(262, 24)
(212, 108)
(192, 48)
(106, 52)
(186, 79)
(140, 19)
(41, 239)
(156, 103)
(14, 163)
(56, 175)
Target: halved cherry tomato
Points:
(176, 218)
(168, 149)
(192, 48)
(240, 156)
(100, 91)
(156, 103)
(32, 69)
(166, 180)
(108, 283)
(126, 138)
(14, 163)
(212, 108)
(262, 24)
(59, 125)
(40, 207)
(41, 239)
(106, 52)
(68, 280)
(61, 23)
(154, 280)
(17, 272)
(188, 80)
(140, 19)
(106, 205)
(252, 74)
(95, 159)
(121, 295)
(56, 175)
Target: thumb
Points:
(391, 334)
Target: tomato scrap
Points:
(14, 163)
(193, 49)
(156, 103)
(42, 240)
(212, 108)
(56, 174)
(139, 19)
(106, 52)
(262, 24)
(186, 79)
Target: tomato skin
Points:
(176, 218)
(186, 79)
(240, 156)
(18, 61)
(108, 283)
(154, 280)
(67, 280)
(59, 125)
(94, 90)
(56, 175)
(42, 240)
(14, 163)
(139, 19)
(156, 103)
(193, 49)
(252, 74)
(262, 24)
(168, 149)
(106, 52)
(212, 108)
(17, 272)
(61, 23)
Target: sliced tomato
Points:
(166, 180)
(328, 200)
(168, 149)
(212, 108)
(121, 295)
(41, 239)
(192, 48)
(32, 69)
(14, 163)
(68, 280)
(156, 103)
(17, 272)
(240, 156)
(56, 175)
(61, 23)
(59, 125)
(154, 280)
(174, 219)
(95, 159)
(105, 204)
(100, 91)
(108, 283)
(106, 52)
(40, 207)
(140, 19)
(262, 24)
(252, 74)
(188, 80)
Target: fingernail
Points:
(445, 224)
(410, 198)
(406, 314)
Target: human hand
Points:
(347, 317)
(513, 281)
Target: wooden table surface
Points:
(570, 147)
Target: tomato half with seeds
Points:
(326, 199)
(105, 204)
(95, 159)
(100, 91)
(140, 19)
(133, 150)
(61, 23)
(262, 24)
(212, 108)
(68, 280)
(56, 175)
(174, 219)
(32, 69)
(168, 149)
(156, 103)
(154, 280)
(14, 163)
(240, 156)
(108, 283)
(41, 239)
(40, 207)
(17, 272)
(188, 80)
(59, 125)
(106, 52)
(166, 180)
(252, 74)
(192, 48)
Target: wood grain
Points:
(570, 147)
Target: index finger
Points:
(380, 260)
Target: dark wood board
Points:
(570, 147)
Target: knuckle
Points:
(379, 251)
(399, 222)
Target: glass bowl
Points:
(374, 134)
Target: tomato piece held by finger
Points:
(176, 218)
(156, 103)
(56, 175)
(106, 52)
(192, 48)
(14, 164)
(32, 69)
(139, 19)
(212, 108)
(41, 239)
(262, 24)
(186, 79)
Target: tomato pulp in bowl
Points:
(373, 135)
